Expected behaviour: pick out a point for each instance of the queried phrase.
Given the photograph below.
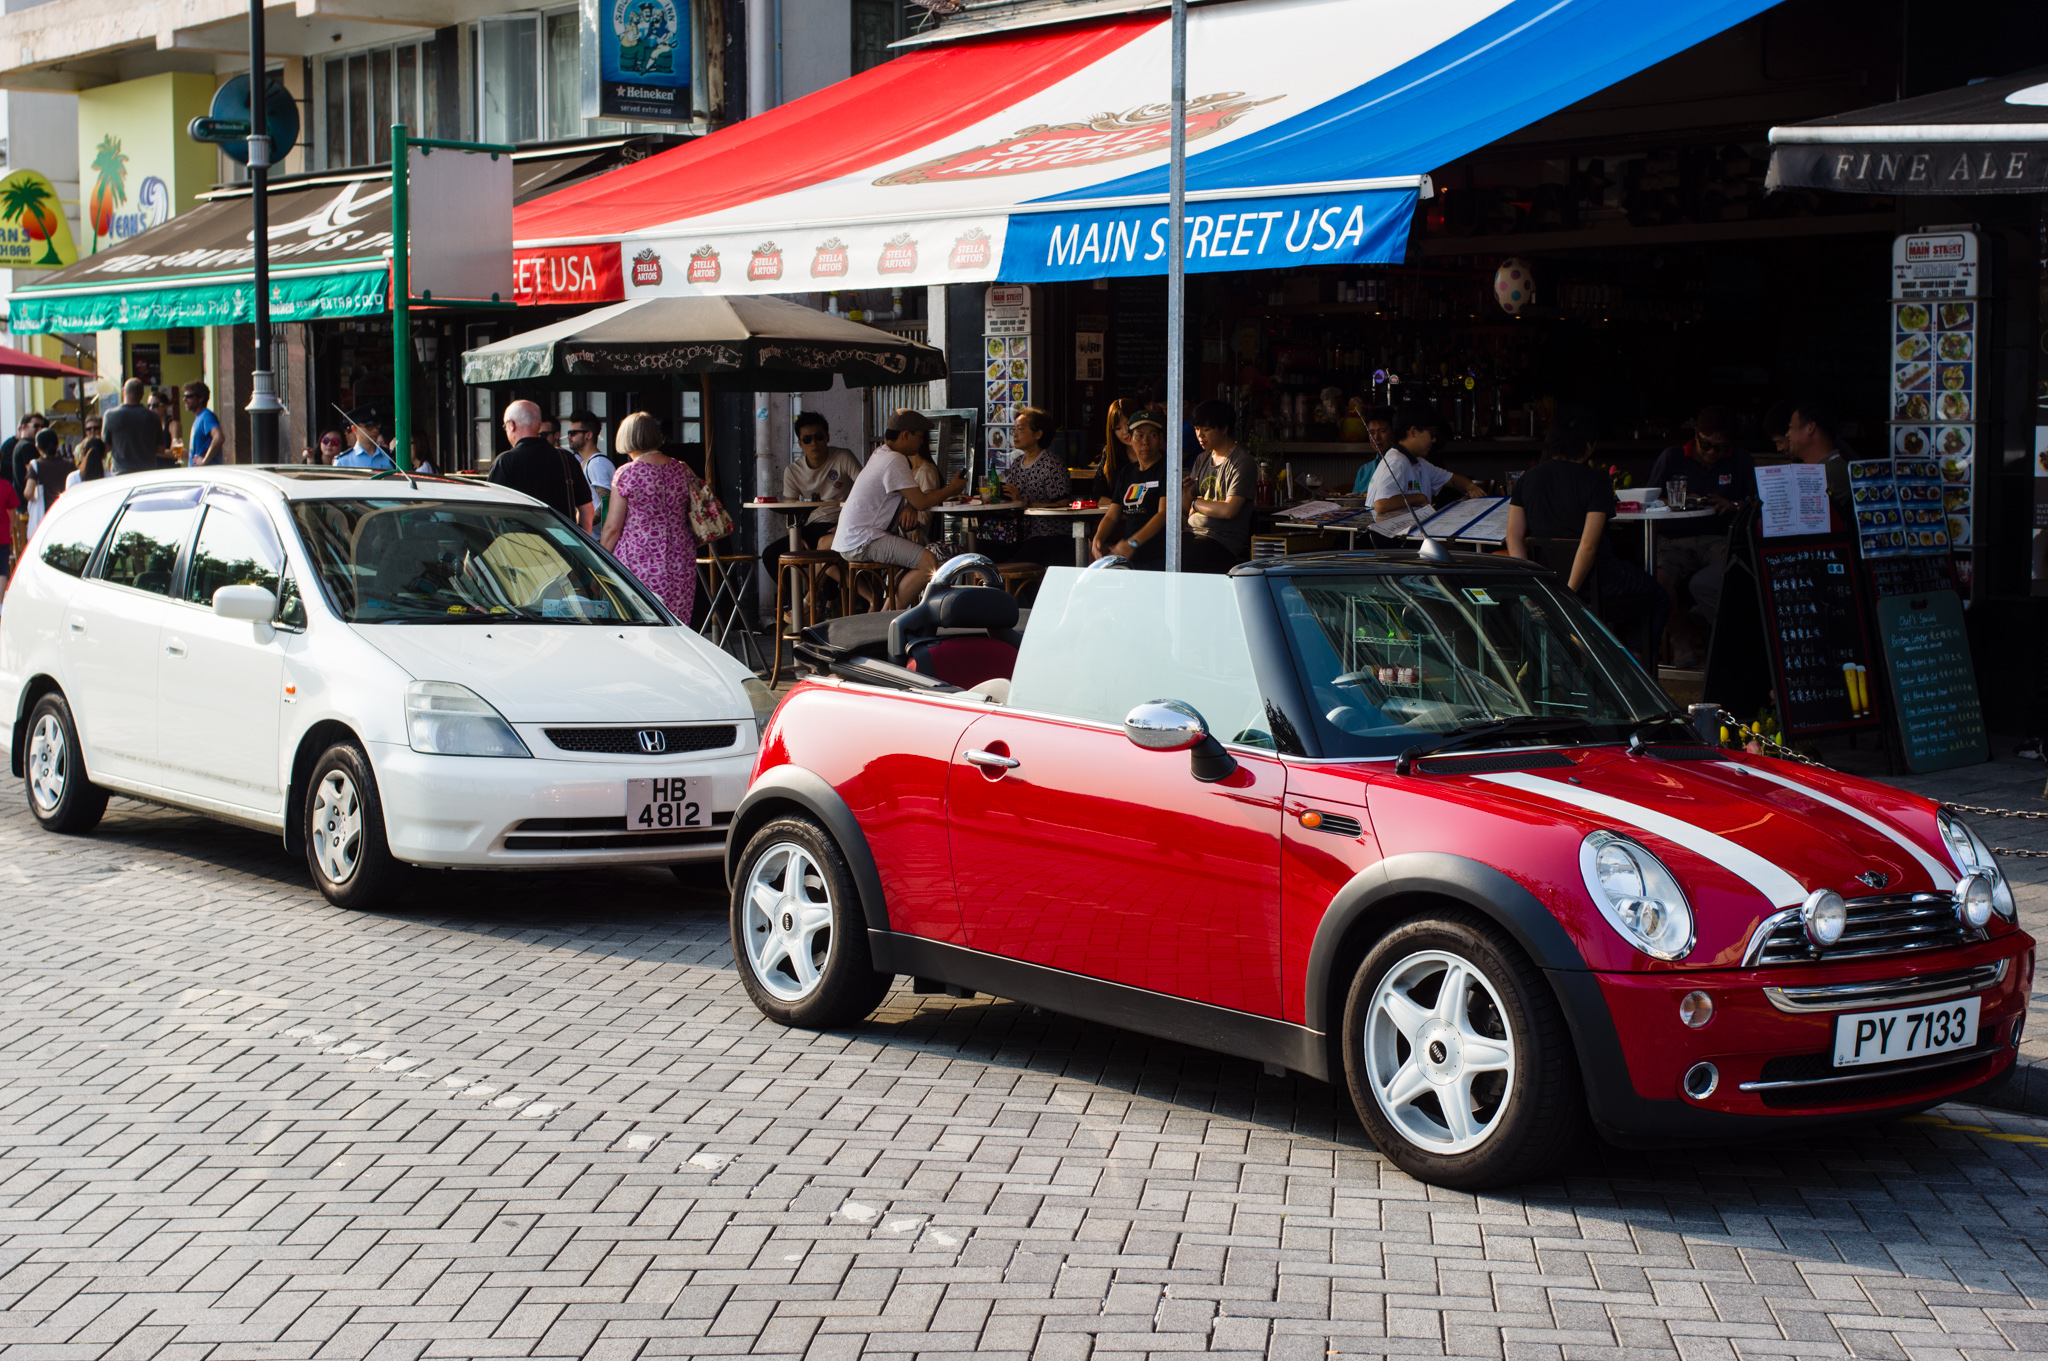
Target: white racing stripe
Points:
(1944, 877)
(1774, 883)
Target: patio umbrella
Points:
(23, 364)
(761, 344)
(1987, 138)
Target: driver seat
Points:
(962, 635)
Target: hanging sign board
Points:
(1934, 374)
(460, 209)
(1934, 688)
(1934, 265)
(636, 59)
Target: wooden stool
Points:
(798, 577)
(885, 577)
(1017, 576)
(726, 575)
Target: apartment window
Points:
(876, 24)
(529, 83)
(363, 93)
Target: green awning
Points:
(293, 297)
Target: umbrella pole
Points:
(704, 424)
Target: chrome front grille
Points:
(1886, 992)
(1890, 924)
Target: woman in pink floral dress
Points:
(648, 525)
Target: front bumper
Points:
(499, 813)
(1776, 1065)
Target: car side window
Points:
(74, 530)
(1101, 643)
(148, 538)
(232, 550)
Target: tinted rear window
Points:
(74, 529)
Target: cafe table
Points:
(1080, 515)
(792, 513)
(970, 511)
(1649, 520)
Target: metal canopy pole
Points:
(401, 300)
(263, 405)
(1176, 281)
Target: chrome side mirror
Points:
(1169, 725)
(253, 603)
(960, 565)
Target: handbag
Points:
(709, 519)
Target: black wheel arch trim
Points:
(32, 691)
(784, 786)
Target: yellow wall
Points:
(146, 120)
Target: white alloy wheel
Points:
(788, 922)
(1438, 1054)
(49, 763)
(337, 827)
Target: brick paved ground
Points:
(537, 1117)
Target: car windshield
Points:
(452, 562)
(1392, 660)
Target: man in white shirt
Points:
(824, 472)
(886, 486)
(1406, 479)
(582, 433)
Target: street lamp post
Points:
(263, 404)
(1176, 285)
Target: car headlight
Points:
(763, 700)
(446, 719)
(1638, 896)
(1972, 855)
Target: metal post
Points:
(1176, 285)
(263, 404)
(401, 299)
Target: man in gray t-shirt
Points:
(133, 433)
(1225, 481)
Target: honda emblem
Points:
(1874, 878)
(653, 741)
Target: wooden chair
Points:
(1019, 577)
(883, 578)
(799, 577)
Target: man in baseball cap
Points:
(1137, 496)
(364, 451)
(885, 487)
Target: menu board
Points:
(1934, 690)
(2040, 540)
(1934, 396)
(1819, 654)
(1006, 348)
(1909, 576)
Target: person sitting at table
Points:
(1219, 493)
(1692, 553)
(887, 485)
(1565, 497)
(822, 472)
(1379, 432)
(1037, 478)
(1116, 448)
(1134, 526)
(1406, 480)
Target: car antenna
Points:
(395, 469)
(1432, 549)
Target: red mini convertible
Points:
(1416, 824)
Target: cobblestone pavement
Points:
(535, 1116)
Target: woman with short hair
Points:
(1038, 479)
(647, 526)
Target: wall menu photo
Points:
(1929, 507)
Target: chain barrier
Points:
(2028, 814)
(1770, 746)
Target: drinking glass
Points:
(1674, 494)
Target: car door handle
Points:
(77, 627)
(175, 649)
(989, 758)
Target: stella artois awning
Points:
(1041, 154)
(330, 239)
(1987, 138)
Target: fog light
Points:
(1825, 917)
(1700, 1081)
(1696, 1009)
(1973, 900)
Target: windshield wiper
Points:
(1464, 733)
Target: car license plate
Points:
(1907, 1033)
(659, 805)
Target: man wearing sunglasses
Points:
(582, 435)
(1691, 553)
(825, 472)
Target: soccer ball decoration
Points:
(1514, 285)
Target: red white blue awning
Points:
(1041, 155)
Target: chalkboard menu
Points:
(1934, 688)
(1819, 654)
(1909, 576)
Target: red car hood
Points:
(1783, 829)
